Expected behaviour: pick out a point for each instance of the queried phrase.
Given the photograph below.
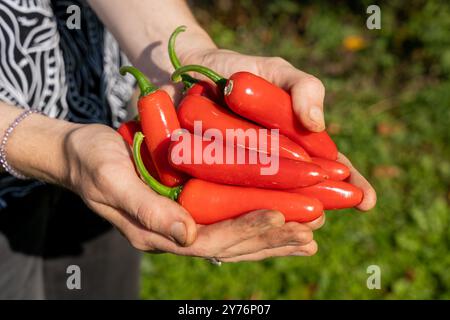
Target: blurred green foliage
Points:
(388, 109)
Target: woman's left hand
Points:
(307, 93)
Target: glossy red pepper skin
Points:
(213, 116)
(259, 100)
(158, 120)
(209, 202)
(205, 89)
(290, 173)
(333, 194)
(127, 130)
(335, 170)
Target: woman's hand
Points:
(142, 29)
(100, 169)
(307, 92)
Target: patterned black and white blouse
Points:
(66, 73)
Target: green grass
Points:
(388, 108)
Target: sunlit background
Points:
(388, 109)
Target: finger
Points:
(316, 224)
(291, 233)
(156, 213)
(308, 96)
(307, 92)
(307, 250)
(370, 196)
(140, 237)
(144, 240)
(215, 238)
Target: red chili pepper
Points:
(259, 100)
(333, 194)
(209, 202)
(206, 89)
(158, 120)
(335, 170)
(127, 130)
(288, 174)
(214, 116)
(192, 86)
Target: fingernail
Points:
(316, 116)
(178, 232)
(299, 254)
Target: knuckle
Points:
(272, 65)
(278, 61)
(298, 233)
(291, 229)
(252, 220)
(272, 240)
(138, 244)
(311, 249)
(260, 220)
(103, 174)
(291, 233)
(305, 236)
(314, 84)
(145, 216)
(274, 218)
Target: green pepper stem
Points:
(171, 193)
(187, 80)
(144, 83)
(214, 76)
(172, 54)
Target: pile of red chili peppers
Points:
(308, 181)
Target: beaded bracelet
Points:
(5, 138)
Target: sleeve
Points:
(31, 63)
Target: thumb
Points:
(159, 214)
(307, 94)
(307, 98)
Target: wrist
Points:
(4, 141)
(36, 148)
(60, 171)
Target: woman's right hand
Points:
(101, 171)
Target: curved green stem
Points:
(144, 84)
(214, 76)
(172, 54)
(187, 80)
(171, 193)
